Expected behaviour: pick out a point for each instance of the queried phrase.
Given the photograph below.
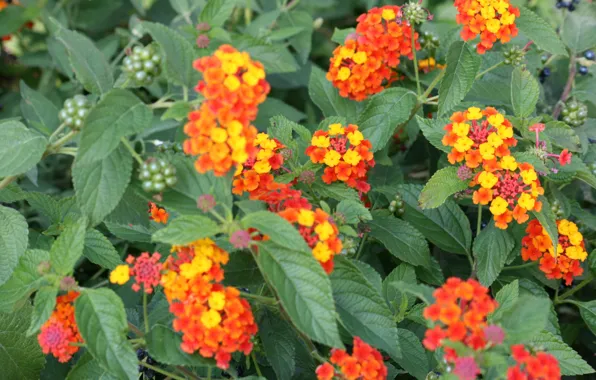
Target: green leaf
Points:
(339, 35)
(446, 226)
(44, 303)
(547, 218)
(185, 7)
(327, 98)
(88, 368)
(462, 66)
(526, 318)
(68, 248)
(361, 308)
(303, 289)
(578, 29)
(20, 148)
(414, 359)
(186, 229)
(24, 280)
(100, 251)
(45, 204)
(400, 238)
(433, 131)
(21, 356)
(562, 135)
(588, 312)
(491, 248)
(524, 92)
(99, 186)
(102, 323)
(393, 296)
(441, 186)
(41, 113)
(337, 191)
(539, 31)
(12, 18)
(278, 229)
(178, 53)
(163, 344)
(302, 42)
(119, 114)
(12, 193)
(570, 362)
(88, 63)
(13, 241)
(276, 336)
(216, 12)
(275, 58)
(507, 298)
(421, 291)
(178, 111)
(383, 113)
(353, 212)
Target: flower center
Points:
(479, 133)
(509, 187)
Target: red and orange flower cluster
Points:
(219, 132)
(365, 363)
(346, 154)
(146, 269)
(158, 214)
(459, 311)
(5, 4)
(363, 66)
(565, 262)
(491, 19)
(213, 319)
(540, 366)
(61, 330)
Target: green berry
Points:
(74, 112)
(143, 64)
(514, 56)
(159, 186)
(574, 113)
(171, 181)
(157, 174)
(147, 186)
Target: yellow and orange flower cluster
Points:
(540, 366)
(565, 262)
(345, 152)
(158, 214)
(255, 175)
(429, 64)
(213, 319)
(491, 19)
(459, 311)
(61, 330)
(365, 363)
(363, 66)
(219, 132)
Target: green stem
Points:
(76, 344)
(522, 266)
(479, 221)
(254, 359)
(432, 86)
(145, 312)
(209, 369)
(123, 52)
(7, 180)
(489, 69)
(137, 340)
(100, 284)
(361, 246)
(132, 151)
(162, 371)
(261, 299)
(61, 141)
(69, 151)
(135, 329)
(418, 90)
(57, 131)
(185, 93)
(575, 289)
(161, 105)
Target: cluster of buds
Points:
(514, 56)
(74, 112)
(397, 205)
(157, 174)
(143, 64)
(574, 113)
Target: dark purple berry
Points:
(583, 70)
(589, 54)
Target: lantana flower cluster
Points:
(220, 133)
(491, 19)
(61, 329)
(540, 366)
(364, 65)
(365, 363)
(346, 154)
(158, 214)
(146, 270)
(565, 262)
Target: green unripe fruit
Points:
(574, 113)
(147, 186)
(171, 181)
(159, 186)
(74, 112)
(157, 174)
(142, 65)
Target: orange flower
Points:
(540, 366)
(158, 215)
(365, 363)
(61, 330)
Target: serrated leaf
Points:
(13, 241)
(526, 318)
(446, 226)
(524, 92)
(119, 114)
(45, 204)
(20, 148)
(276, 336)
(12, 193)
(21, 356)
(353, 212)
(361, 308)
(302, 41)
(68, 248)
(178, 111)
(100, 251)
(25, 280)
(491, 248)
(578, 30)
(393, 296)
(337, 191)
(547, 218)
(531, 159)
(539, 31)
(275, 58)
(163, 344)
(370, 273)
(433, 131)
(507, 298)
(41, 113)
(441, 186)
(420, 291)
(43, 305)
(327, 98)
(570, 362)
(414, 359)
(303, 289)
(433, 275)
(216, 12)
(88, 368)
(278, 229)
(186, 229)
(462, 66)
(400, 238)
(561, 135)
(588, 312)
(102, 323)
(99, 186)
(383, 113)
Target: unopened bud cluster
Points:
(397, 205)
(557, 209)
(143, 64)
(74, 112)
(574, 113)
(428, 41)
(414, 13)
(514, 56)
(157, 174)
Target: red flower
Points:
(61, 330)
(565, 157)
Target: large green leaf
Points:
(24, 280)
(462, 66)
(20, 148)
(21, 356)
(562, 135)
(88, 368)
(186, 229)
(163, 344)
(119, 113)
(414, 359)
(400, 238)
(279, 343)
(445, 226)
(45, 204)
(539, 31)
(441, 186)
(327, 98)
(353, 212)
(99, 185)
(102, 322)
(275, 58)
(570, 362)
(383, 113)
(588, 312)
(303, 289)
(13, 241)
(491, 248)
(524, 92)
(216, 12)
(362, 309)
(68, 248)
(547, 218)
(433, 131)
(100, 251)
(278, 229)
(507, 298)
(40, 112)
(301, 42)
(579, 29)
(526, 318)
(44, 303)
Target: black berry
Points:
(589, 54)
(583, 70)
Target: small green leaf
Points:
(13, 241)
(414, 359)
(102, 323)
(40, 112)
(216, 12)
(570, 362)
(44, 303)
(441, 186)
(507, 298)
(186, 229)
(578, 29)
(547, 218)
(339, 35)
(353, 212)
(20, 148)
(562, 135)
(279, 343)
(421, 291)
(100, 251)
(462, 66)
(275, 58)
(539, 31)
(393, 296)
(45, 204)
(524, 92)
(68, 248)
(526, 318)
(433, 130)
(163, 344)
(178, 111)
(588, 312)
(24, 280)
(302, 41)
(327, 98)
(337, 191)
(278, 229)
(491, 248)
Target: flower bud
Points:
(206, 202)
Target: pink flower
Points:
(494, 334)
(240, 239)
(203, 27)
(464, 173)
(206, 202)
(146, 270)
(466, 368)
(203, 41)
(538, 127)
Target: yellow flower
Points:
(508, 163)
(495, 140)
(217, 300)
(320, 141)
(388, 14)
(250, 78)
(529, 176)
(336, 129)
(360, 58)
(486, 151)
(487, 180)
(344, 74)
(262, 167)
(576, 253)
(344, 53)
(199, 264)
(463, 144)
(505, 132)
(210, 318)
(261, 138)
(321, 252)
(576, 238)
(232, 83)
(120, 275)
(306, 218)
(229, 67)
(474, 113)
(496, 120)
(264, 154)
(498, 206)
(507, 18)
(461, 129)
(239, 156)
(352, 157)
(488, 13)
(219, 135)
(564, 227)
(234, 128)
(269, 144)
(355, 138)
(493, 25)
(526, 201)
(332, 158)
(324, 230)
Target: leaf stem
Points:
(261, 299)
(489, 70)
(185, 93)
(100, 284)
(432, 86)
(161, 105)
(418, 90)
(162, 371)
(254, 359)
(57, 131)
(123, 52)
(522, 266)
(361, 246)
(7, 180)
(575, 289)
(132, 151)
(61, 141)
(567, 89)
(145, 312)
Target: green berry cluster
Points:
(397, 205)
(156, 174)
(592, 167)
(414, 13)
(143, 64)
(574, 113)
(74, 112)
(170, 147)
(514, 56)
(348, 245)
(556, 208)
(428, 41)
